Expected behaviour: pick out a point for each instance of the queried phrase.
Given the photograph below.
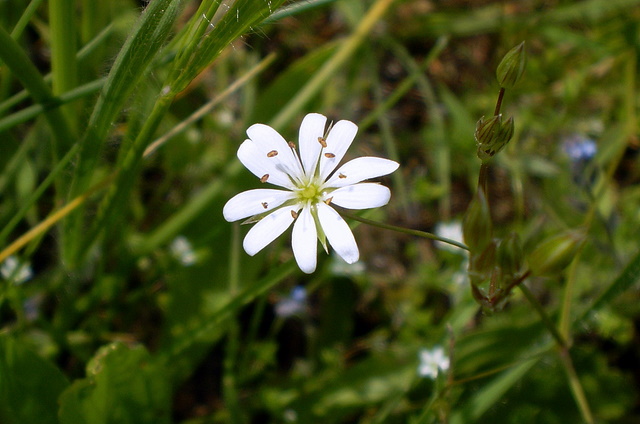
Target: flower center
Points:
(310, 193)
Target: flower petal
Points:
(361, 169)
(338, 141)
(304, 241)
(255, 160)
(338, 233)
(267, 230)
(312, 127)
(361, 196)
(275, 149)
(254, 202)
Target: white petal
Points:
(338, 233)
(256, 161)
(269, 141)
(338, 141)
(361, 196)
(304, 241)
(254, 202)
(361, 169)
(267, 230)
(311, 128)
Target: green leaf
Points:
(29, 385)
(122, 386)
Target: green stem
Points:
(17, 61)
(64, 68)
(403, 230)
(576, 387)
(560, 340)
(496, 112)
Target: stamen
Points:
(322, 141)
(265, 177)
(294, 214)
(341, 175)
(265, 205)
(293, 146)
(272, 153)
(329, 155)
(328, 201)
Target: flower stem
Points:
(409, 231)
(499, 102)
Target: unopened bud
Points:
(486, 130)
(555, 253)
(512, 66)
(476, 227)
(492, 136)
(509, 256)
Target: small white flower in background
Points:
(451, 230)
(311, 188)
(294, 304)
(432, 362)
(13, 270)
(181, 250)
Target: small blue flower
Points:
(294, 304)
(579, 148)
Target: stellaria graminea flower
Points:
(311, 188)
(432, 362)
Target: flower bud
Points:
(512, 66)
(492, 136)
(476, 227)
(555, 253)
(486, 130)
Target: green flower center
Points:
(310, 193)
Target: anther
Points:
(265, 177)
(341, 175)
(265, 205)
(328, 201)
(293, 146)
(272, 153)
(322, 141)
(294, 214)
(329, 155)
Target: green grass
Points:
(119, 131)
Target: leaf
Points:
(122, 386)
(29, 385)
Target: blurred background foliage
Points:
(140, 306)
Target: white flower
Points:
(13, 270)
(181, 250)
(452, 231)
(311, 188)
(432, 362)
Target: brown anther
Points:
(290, 143)
(322, 141)
(328, 201)
(294, 214)
(329, 155)
(264, 178)
(341, 175)
(265, 205)
(272, 153)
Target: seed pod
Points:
(477, 229)
(555, 253)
